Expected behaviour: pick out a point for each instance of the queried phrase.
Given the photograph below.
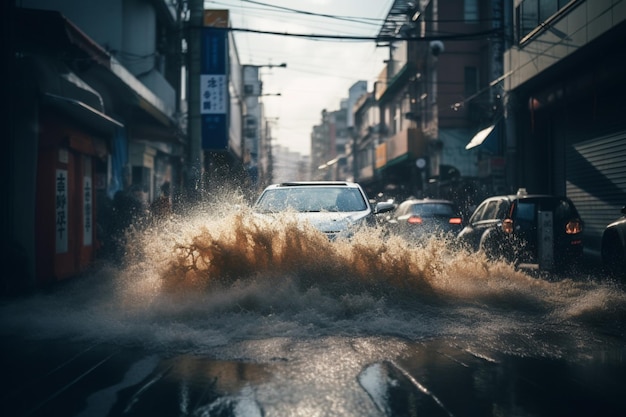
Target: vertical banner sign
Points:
(545, 237)
(214, 98)
(61, 211)
(87, 204)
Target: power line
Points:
(448, 37)
(353, 19)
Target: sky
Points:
(319, 72)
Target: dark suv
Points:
(533, 231)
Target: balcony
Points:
(410, 143)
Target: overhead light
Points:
(480, 137)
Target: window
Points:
(525, 212)
(547, 8)
(491, 210)
(478, 214)
(434, 209)
(528, 17)
(531, 14)
(503, 210)
(470, 11)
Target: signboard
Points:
(545, 238)
(213, 94)
(214, 97)
(216, 18)
(88, 209)
(60, 205)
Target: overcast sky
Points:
(319, 72)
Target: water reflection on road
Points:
(220, 314)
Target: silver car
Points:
(335, 208)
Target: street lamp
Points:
(283, 65)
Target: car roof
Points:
(428, 201)
(314, 184)
(527, 196)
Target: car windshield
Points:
(433, 209)
(311, 199)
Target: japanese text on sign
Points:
(61, 211)
(213, 94)
(87, 206)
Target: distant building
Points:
(289, 165)
(434, 95)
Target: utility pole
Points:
(195, 163)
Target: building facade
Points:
(565, 83)
(97, 109)
(434, 94)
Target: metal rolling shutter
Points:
(596, 181)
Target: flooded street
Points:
(222, 315)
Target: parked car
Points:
(418, 219)
(334, 207)
(613, 247)
(532, 231)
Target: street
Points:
(225, 318)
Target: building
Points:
(257, 127)
(96, 95)
(289, 165)
(252, 125)
(332, 141)
(366, 138)
(434, 94)
(565, 83)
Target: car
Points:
(419, 219)
(336, 208)
(533, 231)
(613, 246)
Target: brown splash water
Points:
(220, 245)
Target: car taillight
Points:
(507, 226)
(573, 227)
(455, 220)
(415, 220)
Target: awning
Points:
(480, 137)
(84, 112)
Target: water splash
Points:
(224, 244)
(218, 274)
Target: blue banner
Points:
(214, 98)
